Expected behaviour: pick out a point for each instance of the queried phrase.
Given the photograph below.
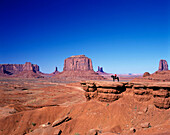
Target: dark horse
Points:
(115, 77)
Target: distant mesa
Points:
(11, 69)
(163, 65)
(78, 67)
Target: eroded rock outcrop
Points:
(78, 67)
(146, 74)
(142, 92)
(55, 72)
(102, 91)
(163, 65)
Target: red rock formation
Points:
(163, 65)
(142, 92)
(1, 69)
(146, 74)
(100, 69)
(55, 72)
(162, 75)
(103, 91)
(17, 68)
(78, 68)
(78, 63)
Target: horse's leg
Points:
(113, 78)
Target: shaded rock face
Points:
(163, 65)
(100, 69)
(17, 68)
(142, 92)
(78, 63)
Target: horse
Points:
(115, 77)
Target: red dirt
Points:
(35, 108)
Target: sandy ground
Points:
(25, 104)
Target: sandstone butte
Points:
(78, 67)
(163, 65)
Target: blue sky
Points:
(122, 36)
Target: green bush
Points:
(34, 124)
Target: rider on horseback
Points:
(115, 77)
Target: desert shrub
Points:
(34, 124)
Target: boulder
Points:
(57, 132)
(145, 125)
(93, 132)
(60, 121)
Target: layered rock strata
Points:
(142, 92)
(78, 63)
(102, 91)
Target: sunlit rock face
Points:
(78, 63)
